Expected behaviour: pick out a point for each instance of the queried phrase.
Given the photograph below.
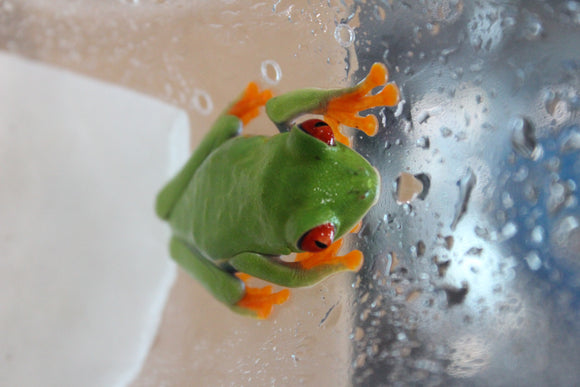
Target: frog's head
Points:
(324, 188)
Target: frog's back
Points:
(221, 212)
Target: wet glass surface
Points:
(476, 283)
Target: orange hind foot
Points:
(261, 301)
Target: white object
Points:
(84, 268)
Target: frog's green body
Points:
(240, 202)
(261, 194)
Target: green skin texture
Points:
(242, 201)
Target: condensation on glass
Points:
(475, 283)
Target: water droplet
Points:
(524, 138)
(420, 248)
(571, 141)
(507, 200)
(531, 193)
(574, 9)
(448, 241)
(533, 260)
(358, 334)
(344, 35)
(202, 102)
(477, 66)
(380, 13)
(559, 192)
(399, 109)
(271, 71)
(553, 164)
(392, 262)
(426, 180)
(456, 295)
(573, 6)
(383, 116)
(445, 131)
(509, 230)
(465, 184)
(566, 234)
(408, 187)
(386, 56)
(550, 101)
(556, 106)
(423, 117)
(521, 174)
(537, 234)
(445, 53)
(476, 251)
(442, 265)
(423, 142)
(532, 28)
(485, 234)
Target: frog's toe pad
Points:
(344, 109)
(262, 300)
(351, 261)
(247, 106)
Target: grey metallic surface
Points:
(477, 282)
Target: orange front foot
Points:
(247, 107)
(344, 109)
(351, 261)
(261, 301)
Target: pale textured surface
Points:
(84, 271)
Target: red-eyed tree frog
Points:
(241, 202)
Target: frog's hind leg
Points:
(224, 128)
(259, 301)
(228, 125)
(225, 286)
(310, 270)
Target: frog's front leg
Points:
(312, 267)
(225, 286)
(339, 107)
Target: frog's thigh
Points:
(223, 129)
(288, 274)
(225, 287)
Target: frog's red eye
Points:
(318, 129)
(317, 239)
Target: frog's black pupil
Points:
(320, 123)
(321, 245)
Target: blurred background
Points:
(472, 255)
